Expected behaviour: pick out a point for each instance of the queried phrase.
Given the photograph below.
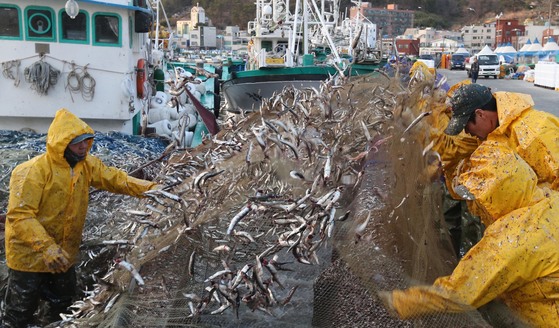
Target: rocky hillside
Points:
(447, 14)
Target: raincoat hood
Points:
(510, 106)
(63, 129)
(500, 180)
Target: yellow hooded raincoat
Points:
(533, 134)
(48, 199)
(518, 257)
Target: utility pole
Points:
(549, 17)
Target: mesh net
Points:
(295, 215)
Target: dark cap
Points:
(464, 103)
(81, 138)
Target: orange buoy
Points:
(140, 77)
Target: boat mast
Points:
(325, 32)
(294, 29)
(157, 25)
(305, 28)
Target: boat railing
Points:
(275, 59)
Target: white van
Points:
(488, 65)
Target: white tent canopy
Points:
(535, 46)
(526, 46)
(486, 51)
(551, 45)
(498, 49)
(508, 49)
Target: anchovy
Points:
(237, 218)
(416, 121)
(289, 145)
(191, 263)
(133, 271)
(249, 153)
(217, 274)
(163, 193)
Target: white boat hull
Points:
(114, 104)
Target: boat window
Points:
(107, 29)
(40, 23)
(74, 30)
(267, 45)
(10, 26)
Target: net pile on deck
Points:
(277, 221)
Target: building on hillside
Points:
(506, 30)
(204, 37)
(476, 37)
(390, 21)
(407, 47)
(196, 32)
(235, 39)
(432, 41)
(444, 46)
(533, 31)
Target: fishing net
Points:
(295, 215)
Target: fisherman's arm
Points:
(116, 180)
(485, 272)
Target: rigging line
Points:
(20, 59)
(68, 62)
(87, 65)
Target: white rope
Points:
(7, 71)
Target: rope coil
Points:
(80, 81)
(41, 76)
(7, 71)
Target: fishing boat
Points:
(95, 58)
(279, 53)
(91, 57)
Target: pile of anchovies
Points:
(258, 198)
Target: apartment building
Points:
(390, 21)
(475, 37)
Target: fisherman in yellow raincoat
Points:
(531, 133)
(480, 113)
(46, 213)
(517, 259)
(508, 175)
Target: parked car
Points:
(428, 57)
(457, 61)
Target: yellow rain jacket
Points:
(518, 257)
(48, 199)
(533, 134)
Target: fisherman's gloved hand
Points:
(56, 259)
(386, 298)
